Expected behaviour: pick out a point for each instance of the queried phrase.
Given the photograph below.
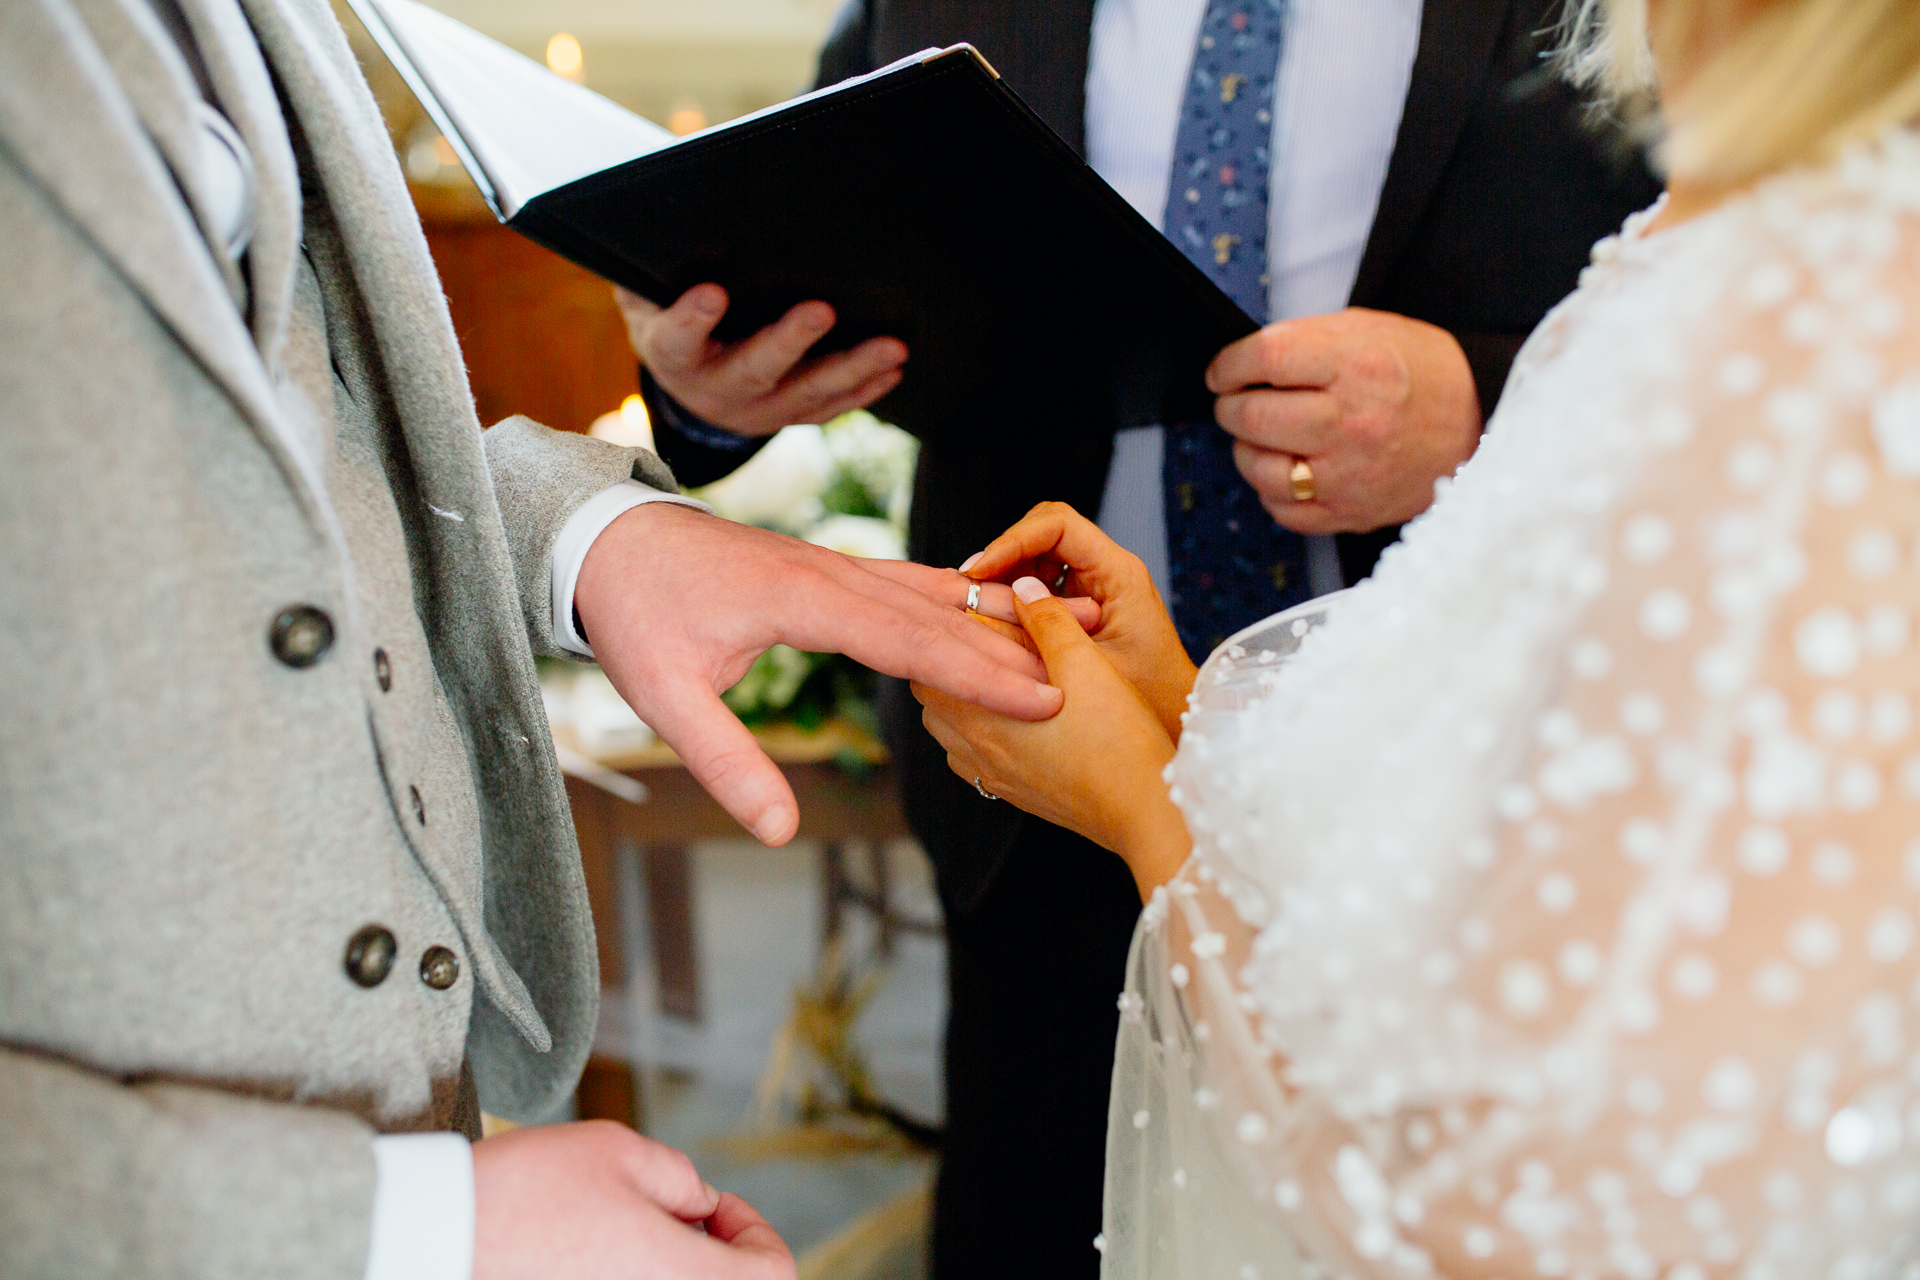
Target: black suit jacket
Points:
(1498, 186)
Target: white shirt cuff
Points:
(577, 538)
(422, 1208)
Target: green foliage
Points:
(804, 483)
(788, 685)
(848, 495)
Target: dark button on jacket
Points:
(382, 670)
(300, 635)
(439, 968)
(370, 955)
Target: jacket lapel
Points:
(158, 84)
(1458, 41)
(247, 96)
(353, 167)
(65, 120)
(449, 506)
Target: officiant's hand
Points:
(599, 1202)
(1378, 406)
(1056, 544)
(1095, 768)
(760, 384)
(677, 604)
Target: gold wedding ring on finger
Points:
(973, 603)
(1300, 480)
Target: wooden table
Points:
(840, 808)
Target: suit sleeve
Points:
(698, 451)
(1490, 356)
(541, 477)
(105, 1181)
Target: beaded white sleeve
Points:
(1553, 907)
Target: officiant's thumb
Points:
(1055, 631)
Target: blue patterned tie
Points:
(1231, 564)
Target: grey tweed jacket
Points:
(195, 819)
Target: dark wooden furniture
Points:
(847, 813)
(541, 336)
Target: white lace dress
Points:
(1553, 908)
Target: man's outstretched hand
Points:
(677, 604)
(760, 384)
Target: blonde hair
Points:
(1795, 81)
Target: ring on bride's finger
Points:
(986, 794)
(973, 597)
(1300, 479)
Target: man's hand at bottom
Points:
(598, 1200)
(678, 604)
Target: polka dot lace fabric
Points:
(1554, 902)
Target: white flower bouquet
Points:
(846, 486)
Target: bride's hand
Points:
(1134, 630)
(1094, 768)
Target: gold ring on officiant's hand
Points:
(973, 597)
(1300, 479)
(985, 794)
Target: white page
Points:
(527, 129)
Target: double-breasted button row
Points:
(300, 635)
(370, 955)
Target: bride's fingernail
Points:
(1031, 589)
(971, 561)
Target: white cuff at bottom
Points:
(422, 1208)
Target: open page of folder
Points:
(518, 128)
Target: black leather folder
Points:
(925, 201)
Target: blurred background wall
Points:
(722, 58)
